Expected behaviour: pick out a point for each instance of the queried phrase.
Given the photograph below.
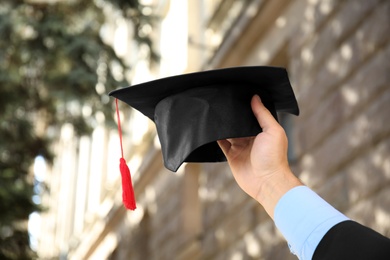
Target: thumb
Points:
(262, 114)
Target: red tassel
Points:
(127, 187)
(128, 196)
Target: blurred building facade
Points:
(337, 53)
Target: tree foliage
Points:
(54, 69)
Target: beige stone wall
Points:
(338, 57)
(341, 73)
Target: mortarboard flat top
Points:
(192, 111)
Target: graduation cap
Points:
(192, 111)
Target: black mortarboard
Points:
(193, 111)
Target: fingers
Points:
(225, 146)
(233, 146)
(262, 114)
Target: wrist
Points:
(274, 187)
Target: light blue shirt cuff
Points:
(304, 218)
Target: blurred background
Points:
(60, 193)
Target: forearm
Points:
(299, 213)
(274, 187)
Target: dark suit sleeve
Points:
(351, 240)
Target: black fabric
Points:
(214, 113)
(193, 111)
(351, 240)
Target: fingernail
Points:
(258, 97)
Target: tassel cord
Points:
(128, 196)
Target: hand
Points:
(259, 164)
